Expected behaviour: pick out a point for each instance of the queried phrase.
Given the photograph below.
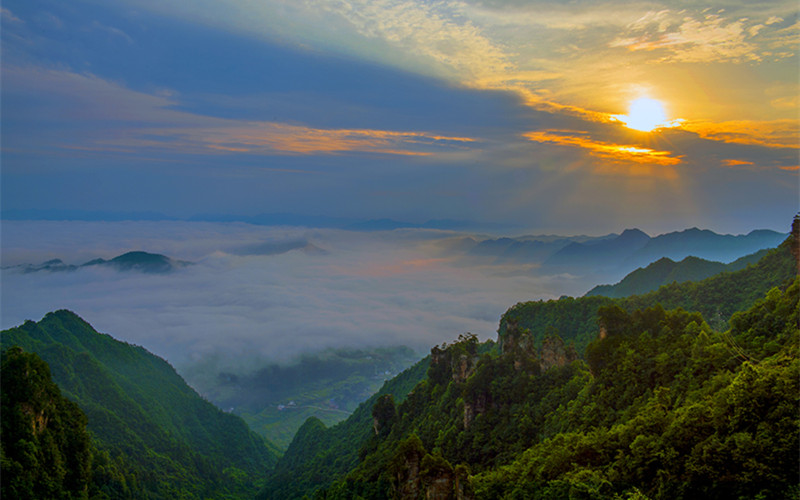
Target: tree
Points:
(46, 450)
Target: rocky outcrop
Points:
(440, 486)
(463, 489)
(464, 367)
(417, 474)
(519, 346)
(405, 468)
(475, 407)
(454, 362)
(555, 354)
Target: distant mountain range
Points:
(599, 253)
(618, 252)
(633, 248)
(272, 219)
(138, 261)
(346, 223)
(665, 271)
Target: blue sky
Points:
(495, 111)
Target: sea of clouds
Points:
(258, 294)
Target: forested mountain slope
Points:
(716, 297)
(319, 455)
(157, 438)
(663, 408)
(665, 271)
(278, 398)
(662, 405)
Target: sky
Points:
(499, 111)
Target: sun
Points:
(645, 114)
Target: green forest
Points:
(689, 390)
(593, 397)
(151, 435)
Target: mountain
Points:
(156, 437)
(138, 261)
(515, 250)
(350, 224)
(611, 255)
(598, 254)
(633, 248)
(666, 270)
(527, 249)
(717, 298)
(663, 407)
(660, 405)
(142, 262)
(53, 265)
(705, 244)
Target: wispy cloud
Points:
(436, 31)
(737, 163)
(8, 17)
(771, 134)
(627, 153)
(580, 59)
(103, 116)
(710, 37)
(111, 30)
(281, 138)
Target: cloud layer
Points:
(256, 293)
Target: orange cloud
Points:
(295, 139)
(737, 163)
(772, 134)
(609, 151)
(226, 137)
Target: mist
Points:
(265, 294)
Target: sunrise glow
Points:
(646, 114)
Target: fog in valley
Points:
(261, 294)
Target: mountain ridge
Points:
(666, 270)
(156, 429)
(135, 260)
(634, 248)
